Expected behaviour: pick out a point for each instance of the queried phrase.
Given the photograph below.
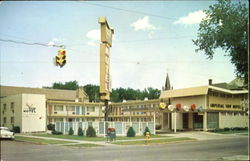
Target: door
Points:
(185, 120)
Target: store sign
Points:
(30, 108)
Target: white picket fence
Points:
(121, 127)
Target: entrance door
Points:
(198, 121)
(185, 120)
(165, 120)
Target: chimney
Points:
(210, 81)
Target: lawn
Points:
(74, 137)
(40, 141)
(143, 142)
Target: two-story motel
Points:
(196, 108)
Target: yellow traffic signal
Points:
(61, 58)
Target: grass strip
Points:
(154, 141)
(40, 141)
(72, 137)
(83, 145)
(139, 137)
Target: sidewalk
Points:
(202, 135)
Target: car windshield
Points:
(4, 128)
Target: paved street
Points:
(201, 150)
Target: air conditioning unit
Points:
(73, 113)
(55, 112)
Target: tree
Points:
(93, 92)
(71, 85)
(90, 132)
(131, 132)
(71, 131)
(226, 27)
(146, 130)
(80, 132)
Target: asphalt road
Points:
(197, 150)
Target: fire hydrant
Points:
(147, 137)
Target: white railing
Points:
(100, 126)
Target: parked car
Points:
(5, 133)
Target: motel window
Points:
(4, 120)
(4, 107)
(228, 106)
(71, 119)
(58, 107)
(91, 119)
(90, 109)
(12, 106)
(223, 113)
(58, 119)
(71, 108)
(12, 120)
(236, 106)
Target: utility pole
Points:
(105, 82)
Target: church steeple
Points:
(167, 83)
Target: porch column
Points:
(175, 122)
(205, 121)
(168, 120)
(162, 122)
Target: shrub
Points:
(90, 132)
(218, 130)
(226, 129)
(16, 129)
(71, 131)
(54, 132)
(131, 132)
(146, 130)
(80, 132)
(51, 127)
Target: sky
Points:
(150, 40)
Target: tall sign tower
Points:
(105, 80)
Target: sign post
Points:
(106, 43)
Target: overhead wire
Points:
(27, 43)
(127, 10)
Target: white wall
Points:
(231, 120)
(36, 120)
(8, 113)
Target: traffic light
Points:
(61, 58)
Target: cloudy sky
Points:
(151, 39)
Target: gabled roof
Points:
(51, 94)
(195, 91)
(185, 92)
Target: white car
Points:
(5, 133)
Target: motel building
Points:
(197, 108)
(204, 107)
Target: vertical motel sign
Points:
(106, 43)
